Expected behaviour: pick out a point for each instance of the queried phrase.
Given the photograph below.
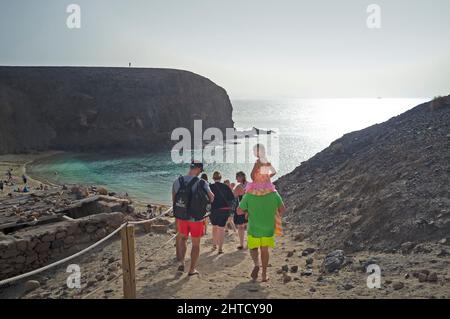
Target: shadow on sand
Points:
(250, 289)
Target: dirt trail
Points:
(228, 275)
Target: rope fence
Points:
(128, 257)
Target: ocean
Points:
(302, 128)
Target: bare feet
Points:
(220, 252)
(264, 277)
(255, 273)
(181, 267)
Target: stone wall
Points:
(34, 247)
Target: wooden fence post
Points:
(128, 262)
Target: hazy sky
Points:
(253, 48)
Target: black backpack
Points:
(183, 198)
(199, 204)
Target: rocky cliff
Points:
(81, 108)
(386, 187)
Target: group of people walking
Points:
(253, 206)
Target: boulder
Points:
(102, 191)
(294, 269)
(308, 251)
(334, 261)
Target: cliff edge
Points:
(84, 108)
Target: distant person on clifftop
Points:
(191, 198)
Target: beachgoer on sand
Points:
(9, 175)
(261, 210)
(240, 220)
(1, 186)
(191, 200)
(220, 210)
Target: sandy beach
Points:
(18, 164)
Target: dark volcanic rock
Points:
(81, 108)
(334, 261)
(377, 188)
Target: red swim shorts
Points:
(186, 227)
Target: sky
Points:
(252, 48)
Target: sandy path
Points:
(227, 276)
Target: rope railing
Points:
(80, 253)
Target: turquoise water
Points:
(303, 127)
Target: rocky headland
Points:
(85, 108)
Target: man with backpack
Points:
(191, 201)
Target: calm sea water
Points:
(303, 127)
